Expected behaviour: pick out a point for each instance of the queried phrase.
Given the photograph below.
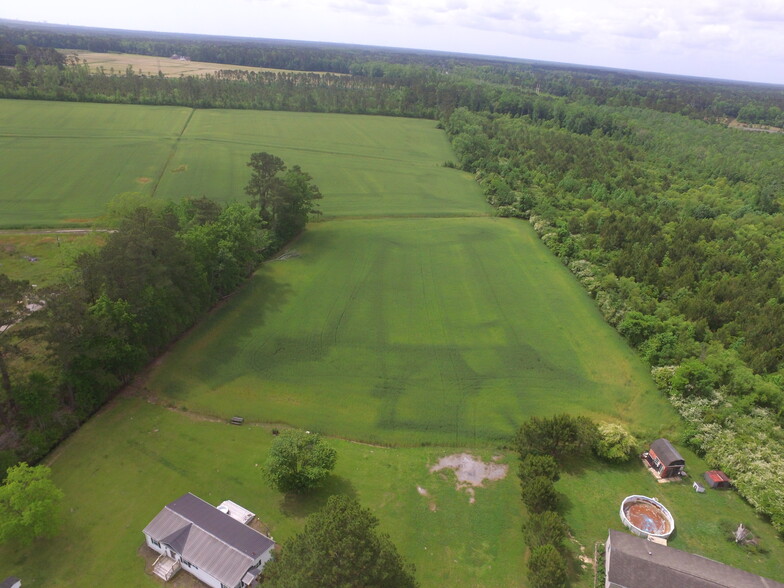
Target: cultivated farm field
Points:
(411, 331)
(63, 162)
(406, 324)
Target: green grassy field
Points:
(120, 469)
(592, 493)
(62, 162)
(365, 166)
(412, 331)
(43, 258)
(408, 317)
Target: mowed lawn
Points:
(409, 332)
(130, 460)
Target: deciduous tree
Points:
(615, 443)
(557, 436)
(284, 197)
(29, 503)
(340, 546)
(298, 461)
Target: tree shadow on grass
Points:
(302, 505)
(578, 465)
(575, 466)
(564, 503)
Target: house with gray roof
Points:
(193, 535)
(633, 562)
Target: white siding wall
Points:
(151, 545)
(265, 558)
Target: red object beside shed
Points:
(717, 479)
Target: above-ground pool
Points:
(646, 517)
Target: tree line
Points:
(544, 446)
(421, 84)
(680, 245)
(157, 274)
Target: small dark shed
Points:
(665, 459)
(717, 479)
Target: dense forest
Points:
(671, 220)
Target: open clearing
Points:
(150, 64)
(43, 258)
(409, 318)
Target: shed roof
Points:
(637, 563)
(208, 538)
(717, 476)
(10, 582)
(666, 453)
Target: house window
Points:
(154, 542)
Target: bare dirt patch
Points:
(471, 472)
(144, 180)
(180, 168)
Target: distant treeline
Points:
(418, 79)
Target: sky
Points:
(726, 39)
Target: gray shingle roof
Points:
(208, 538)
(638, 563)
(666, 453)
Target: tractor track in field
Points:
(54, 231)
(172, 152)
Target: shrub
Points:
(538, 495)
(533, 466)
(546, 568)
(615, 443)
(545, 528)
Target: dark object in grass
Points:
(237, 420)
(275, 432)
